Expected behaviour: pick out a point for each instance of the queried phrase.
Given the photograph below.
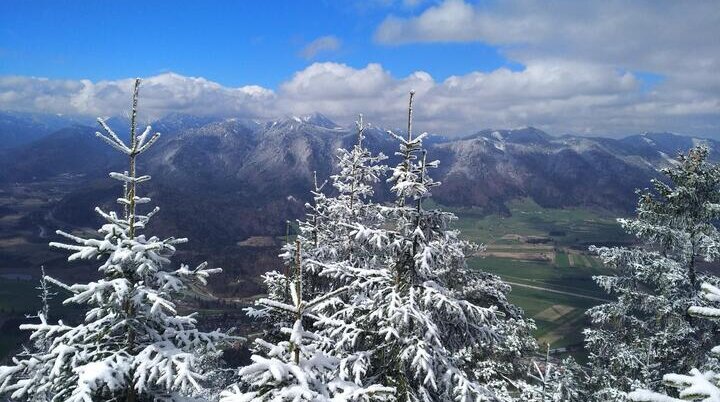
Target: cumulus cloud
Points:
(557, 95)
(449, 22)
(665, 37)
(550, 95)
(649, 35)
(675, 40)
(583, 70)
(322, 44)
(161, 94)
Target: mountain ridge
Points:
(261, 171)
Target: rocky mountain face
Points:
(491, 167)
(220, 181)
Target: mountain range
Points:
(220, 181)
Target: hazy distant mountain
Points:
(71, 150)
(18, 128)
(220, 181)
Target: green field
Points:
(543, 254)
(553, 288)
(566, 227)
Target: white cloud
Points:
(674, 39)
(160, 95)
(644, 33)
(665, 37)
(554, 94)
(557, 95)
(450, 21)
(578, 59)
(322, 44)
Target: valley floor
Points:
(543, 254)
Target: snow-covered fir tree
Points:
(648, 331)
(410, 320)
(297, 368)
(392, 326)
(696, 385)
(325, 234)
(324, 237)
(133, 344)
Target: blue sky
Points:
(566, 66)
(232, 42)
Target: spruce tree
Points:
(325, 234)
(412, 316)
(132, 345)
(410, 320)
(297, 368)
(696, 385)
(648, 331)
(325, 242)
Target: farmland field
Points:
(543, 254)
